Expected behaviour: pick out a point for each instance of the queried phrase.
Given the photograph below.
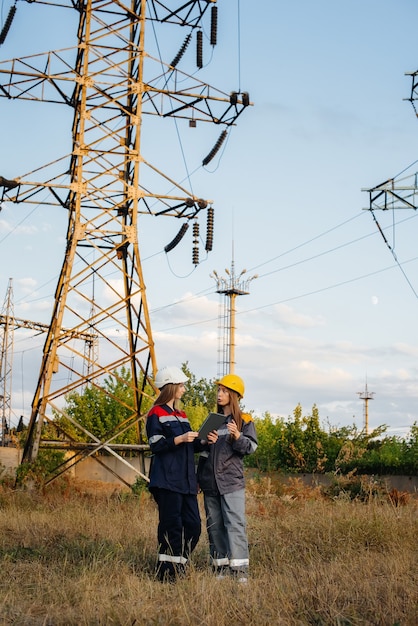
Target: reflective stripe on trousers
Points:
(169, 558)
(226, 526)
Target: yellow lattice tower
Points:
(110, 83)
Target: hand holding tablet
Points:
(212, 422)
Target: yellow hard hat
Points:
(234, 382)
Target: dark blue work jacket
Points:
(172, 467)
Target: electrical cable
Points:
(338, 248)
(329, 287)
(325, 252)
(320, 235)
(326, 232)
(177, 275)
(392, 251)
(19, 224)
(211, 290)
(292, 298)
(329, 230)
(207, 292)
(316, 256)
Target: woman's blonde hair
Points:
(235, 408)
(166, 394)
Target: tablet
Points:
(212, 422)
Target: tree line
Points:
(296, 444)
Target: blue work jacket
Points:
(172, 467)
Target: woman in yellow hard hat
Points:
(221, 478)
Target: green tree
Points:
(196, 415)
(314, 442)
(292, 443)
(101, 411)
(335, 439)
(355, 453)
(199, 392)
(410, 451)
(269, 434)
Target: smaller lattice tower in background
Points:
(6, 363)
(366, 395)
(229, 288)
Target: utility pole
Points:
(229, 287)
(366, 395)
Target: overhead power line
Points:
(292, 298)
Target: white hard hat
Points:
(167, 375)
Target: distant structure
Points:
(366, 395)
(8, 324)
(230, 287)
(6, 364)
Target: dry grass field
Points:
(86, 556)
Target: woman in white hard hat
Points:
(172, 475)
(221, 478)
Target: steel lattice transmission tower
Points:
(394, 194)
(401, 191)
(6, 363)
(110, 83)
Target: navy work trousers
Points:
(179, 530)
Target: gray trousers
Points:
(226, 526)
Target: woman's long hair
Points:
(235, 408)
(166, 394)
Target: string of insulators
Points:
(182, 50)
(215, 148)
(7, 24)
(214, 26)
(177, 238)
(209, 229)
(199, 49)
(245, 98)
(196, 243)
(381, 231)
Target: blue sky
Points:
(330, 308)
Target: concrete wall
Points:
(10, 458)
(401, 483)
(87, 470)
(92, 470)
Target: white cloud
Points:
(286, 316)
(27, 285)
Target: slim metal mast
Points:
(229, 287)
(366, 395)
(110, 83)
